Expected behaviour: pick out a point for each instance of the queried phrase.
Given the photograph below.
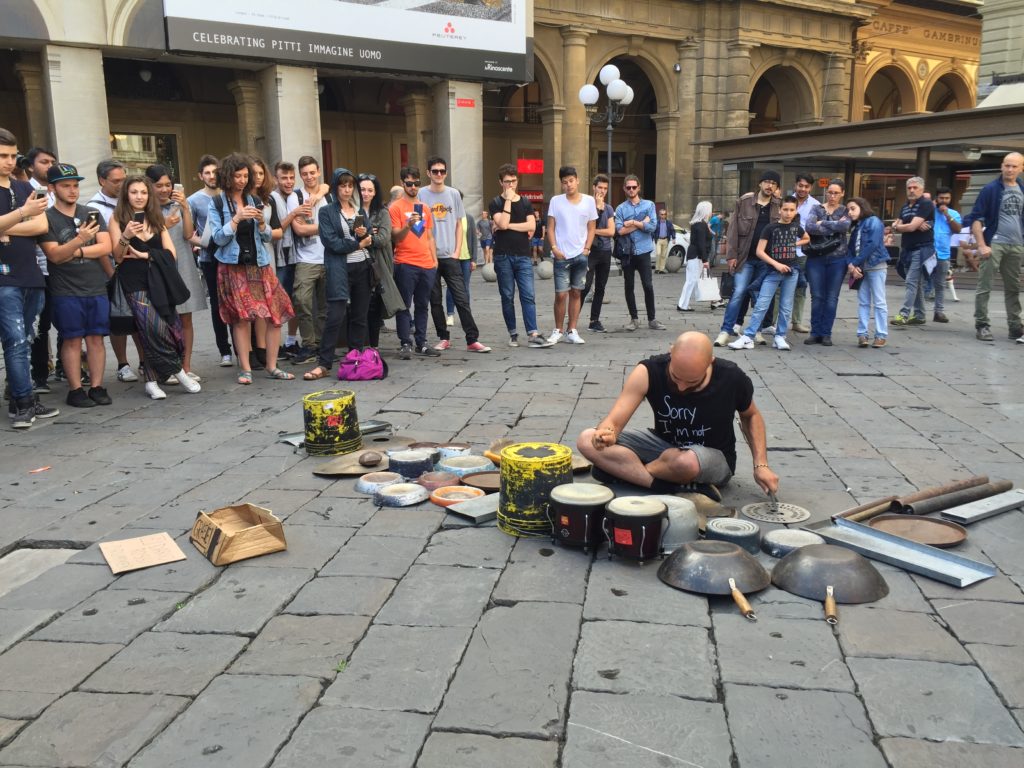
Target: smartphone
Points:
(40, 193)
(93, 218)
(179, 188)
(258, 204)
(418, 208)
(139, 217)
(359, 221)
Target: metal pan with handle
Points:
(829, 574)
(716, 568)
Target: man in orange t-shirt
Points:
(415, 263)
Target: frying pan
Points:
(832, 574)
(715, 568)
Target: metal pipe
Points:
(958, 485)
(955, 499)
(870, 506)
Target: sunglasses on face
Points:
(630, 189)
(438, 171)
(411, 183)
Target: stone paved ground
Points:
(400, 637)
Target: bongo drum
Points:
(576, 511)
(634, 526)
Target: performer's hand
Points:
(603, 437)
(767, 479)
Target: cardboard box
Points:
(236, 533)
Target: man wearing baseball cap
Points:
(753, 212)
(76, 245)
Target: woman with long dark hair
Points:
(386, 300)
(826, 261)
(246, 281)
(262, 186)
(869, 263)
(178, 221)
(144, 252)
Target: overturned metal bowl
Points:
(809, 571)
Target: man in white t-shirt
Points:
(309, 291)
(572, 218)
(286, 203)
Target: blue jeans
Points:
(938, 284)
(415, 284)
(915, 282)
(825, 277)
(743, 278)
(19, 313)
(513, 272)
(771, 282)
(872, 292)
(467, 272)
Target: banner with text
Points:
(480, 40)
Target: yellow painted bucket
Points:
(331, 422)
(528, 473)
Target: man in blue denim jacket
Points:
(636, 219)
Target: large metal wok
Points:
(715, 568)
(832, 574)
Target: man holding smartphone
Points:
(415, 264)
(76, 246)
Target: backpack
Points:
(362, 366)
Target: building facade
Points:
(94, 77)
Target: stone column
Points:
(737, 97)
(684, 182)
(575, 125)
(418, 132)
(834, 106)
(30, 73)
(667, 125)
(249, 106)
(551, 120)
(75, 97)
(459, 137)
(291, 114)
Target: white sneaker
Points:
(722, 340)
(450, 320)
(225, 361)
(172, 381)
(513, 341)
(573, 337)
(154, 391)
(191, 385)
(126, 374)
(781, 343)
(555, 337)
(737, 330)
(769, 331)
(1020, 340)
(759, 339)
(743, 342)
(194, 376)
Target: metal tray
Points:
(966, 514)
(923, 530)
(919, 558)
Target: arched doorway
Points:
(781, 98)
(949, 92)
(889, 94)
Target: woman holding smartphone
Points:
(386, 299)
(143, 251)
(262, 186)
(345, 237)
(178, 221)
(247, 284)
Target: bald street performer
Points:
(693, 396)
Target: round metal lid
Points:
(768, 512)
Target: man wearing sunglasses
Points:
(415, 264)
(445, 205)
(636, 219)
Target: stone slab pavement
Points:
(406, 637)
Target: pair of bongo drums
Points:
(586, 515)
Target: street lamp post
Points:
(620, 95)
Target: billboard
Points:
(466, 39)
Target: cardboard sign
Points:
(142, 552)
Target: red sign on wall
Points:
(465, 103)
(533, 195)
(527, 165)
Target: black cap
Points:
(63, 172)
(771, 176)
